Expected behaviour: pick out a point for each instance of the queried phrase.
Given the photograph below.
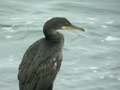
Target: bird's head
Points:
(60, 23)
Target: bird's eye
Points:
(66, 23)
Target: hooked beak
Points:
(73, 28)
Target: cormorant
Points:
(42, 60)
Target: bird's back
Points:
(39, 66)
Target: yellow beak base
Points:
(73, 28)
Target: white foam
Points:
(109, 57)
(8, 37)
(104, 26)
(6, 28)
(29, 22)
(101, 77)
(9, 29)
(110, 38)
(118, 78)
(94, 71)
(91, 19)
(93, 68)
(110, 22)
(11, 58)
(111, 76)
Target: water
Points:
(91, 59)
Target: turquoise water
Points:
(91, 59)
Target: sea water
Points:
(91, 58)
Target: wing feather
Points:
(36, 71)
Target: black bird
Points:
(42, 60)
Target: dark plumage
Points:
(42, 60)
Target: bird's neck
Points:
(54, 36)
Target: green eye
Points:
(66, 24)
